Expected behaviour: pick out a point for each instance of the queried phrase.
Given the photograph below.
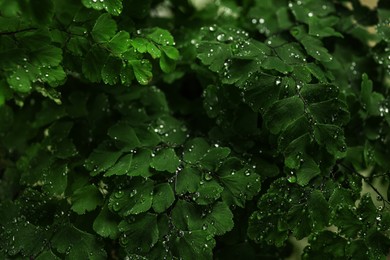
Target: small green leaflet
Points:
(106, 224)
(165, 160)
(141, 233)
(104, 28)
(86, 199)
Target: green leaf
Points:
(161, 36)
(312, 45)
(22, 238)
(347, 222)
(187, 180)
(240, 183)
(19, 81)
(163, 197)
(77, 244)
(104, 28)
(165, 160)
(371, 100)
(282, 113)
(42, 11)
(195, 245)
(331, 137)
(318, 210)
(106, 224)
(208, 192)
(142, 71)
(93, 63)
(166, 64)
(56, 180)
(78, 45)
(126, 75)
(47, 55)
(171, 52)
(307, 171)
(110, 70)
(213, 156)
(153, 50)
(140, 163)
(195, 149)
(120, 43)
(121, 167)
(216, 219)
(219, 220)
(124, 132)
(113, 7)
(140, 44)
(140, 234)
(86, 199)
(214, 55)
(135, 199)
(322, 27)
(101, 159)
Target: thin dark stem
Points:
(367, 180)
(18, 31)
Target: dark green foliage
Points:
(163, 130)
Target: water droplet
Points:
(221, 37)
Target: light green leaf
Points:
(19, 81)
(171, 52)
(153, 50)
(55, 76)
(167, 65)
(161, 36)
(140, 44)
(214, 55)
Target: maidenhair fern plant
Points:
(161, 130)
